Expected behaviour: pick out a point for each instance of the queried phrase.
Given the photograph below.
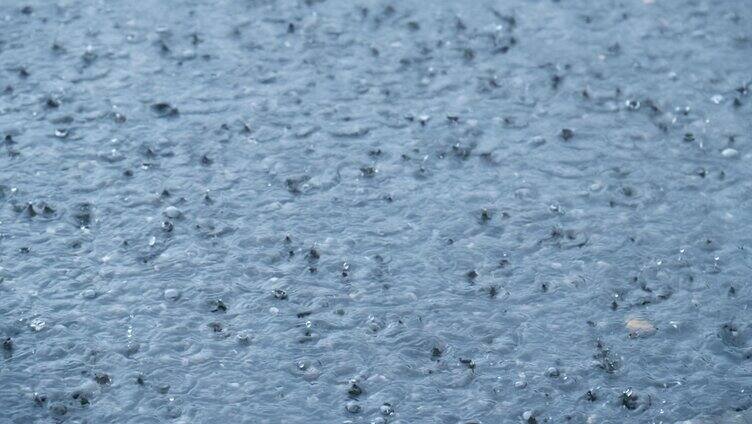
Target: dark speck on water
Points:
(375, 211)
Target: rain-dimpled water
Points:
(356, 211)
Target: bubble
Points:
(37, 324)
(172, 212)
(171, 294)
(353, 407)
(729, 153)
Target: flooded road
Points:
(334, 211)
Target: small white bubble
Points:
(37, 324)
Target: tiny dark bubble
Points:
(485, 215)
(118, 117)
(165, 110)
(436, 352)
(29, 210)
(39, 399)
(167, 226)
(102, 378)
(460, 25)
(52, 103)
(469, 363)
(493, 291)
(629, 400)
(354, 390)
(566, 134)
(219, 306)
(81, 397)
(556, 81)
(58, 409)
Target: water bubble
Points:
(244, 339)
(566, 134)
(172, 212)
(552, 372)
(171, 294)
(102, 378)
(58, 409)
(353, 407)
(640, 327)
(386, 409)
(729, 153)
(37, 324)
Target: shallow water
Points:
(372, 211)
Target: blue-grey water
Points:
(336, 211)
